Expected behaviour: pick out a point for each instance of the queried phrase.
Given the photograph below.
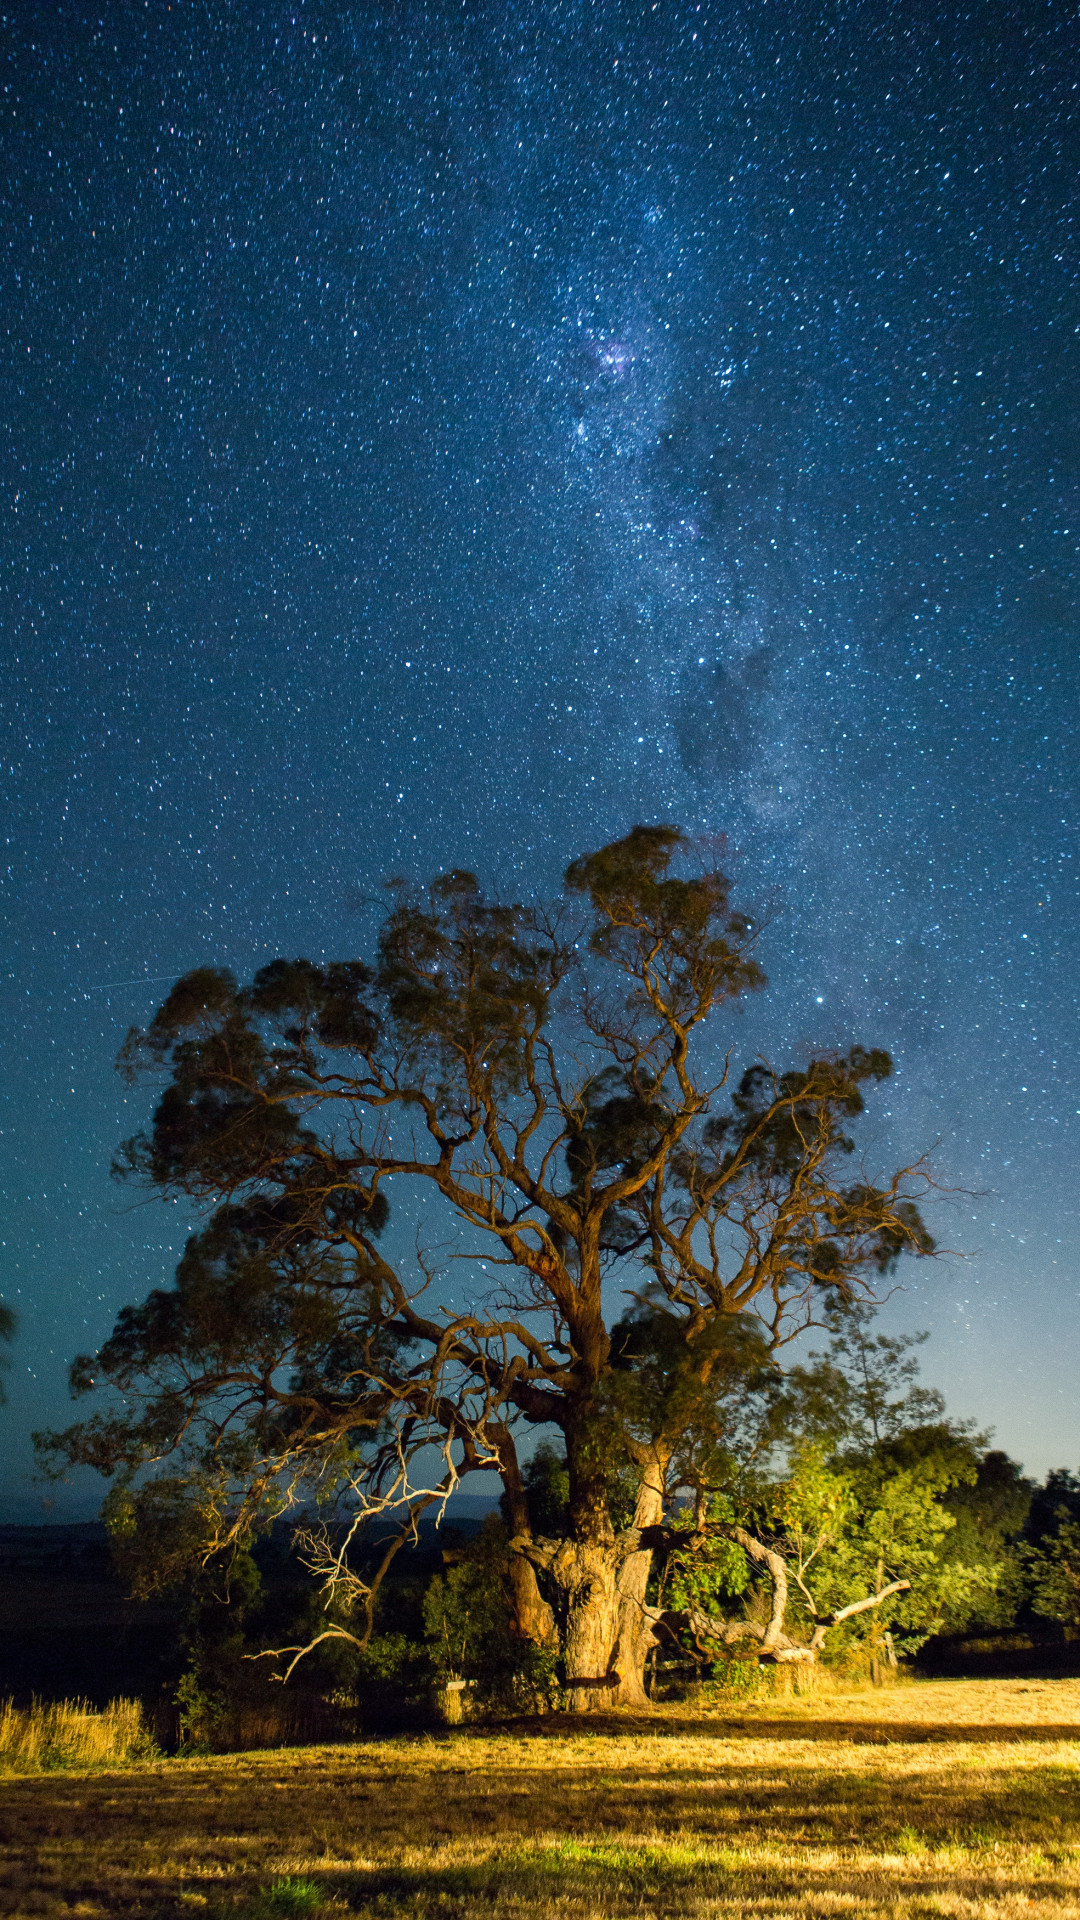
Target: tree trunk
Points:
(605, 1628)
(585, 1574)
(531, 1616)
(584, 1570)
(636, 1619)
(607, 1625)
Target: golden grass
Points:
(953, 1798)
(70, 1733)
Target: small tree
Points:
(991, 1512)
(1052, 1551)
(847, 1522)
(468, 1622)
(549, 1079)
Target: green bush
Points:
(468, 1633)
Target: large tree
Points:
(544, 1090)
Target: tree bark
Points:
(585, 1574)
(532, 1618)
(601, 1584)
(637, 1620)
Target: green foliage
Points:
(883, 1484)
(991, 1513)
(858, 1481)
(1054, 1571)
(853, 1524)
(1058, 1499)
(737, 1679)
(289, 1898)
(219, 1677)
(468, 1633)
(640, 904)
(158, 1532)
(392, 1657)
(204, 1712)
(864, 1388)
(711, 1389)
(712, 1573)
(547, 1491)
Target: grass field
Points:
(941, 1797)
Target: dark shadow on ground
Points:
(562, 1883)
(818, 1731)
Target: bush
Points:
(740, 1680)
(469, 1636)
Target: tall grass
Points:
(71, 1733)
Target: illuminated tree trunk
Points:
(532, 1618)
(607, 1626)
(636, 1617)
(585, 1575)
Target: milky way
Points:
(445, 435)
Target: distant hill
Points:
(69, 1628)
(83, 1544)
(52, 1544)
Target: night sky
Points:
(445, 435)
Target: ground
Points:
(939, 1797)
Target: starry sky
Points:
(441, 434)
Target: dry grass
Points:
(70, 1733)
(957, 1798)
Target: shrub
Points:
(468, 1633)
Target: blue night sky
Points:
(445, 434)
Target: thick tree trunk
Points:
(586, 1576)
(607, 1626)
(584, 1571)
